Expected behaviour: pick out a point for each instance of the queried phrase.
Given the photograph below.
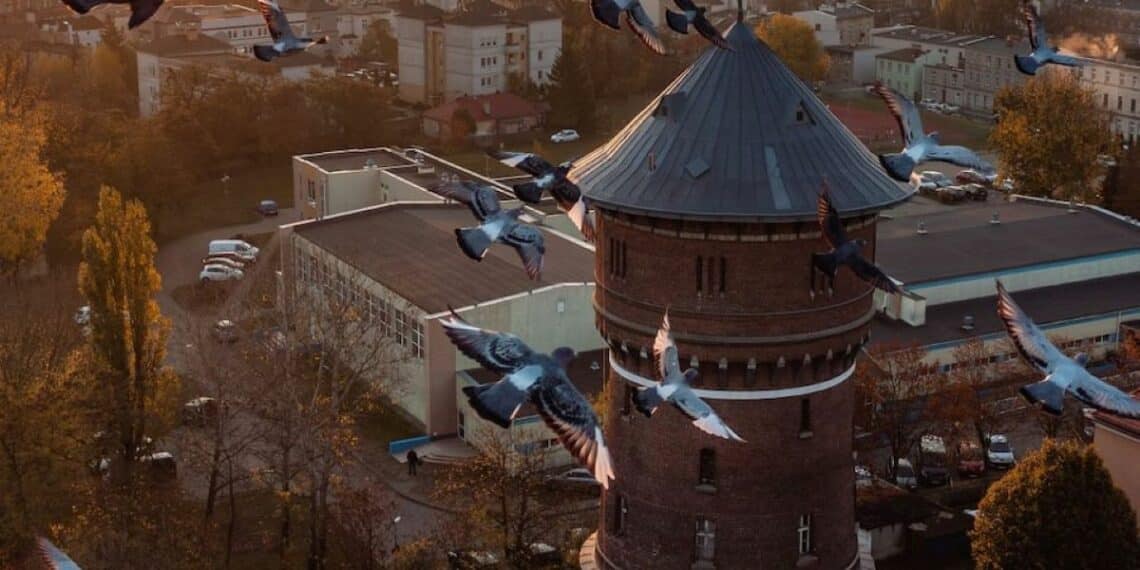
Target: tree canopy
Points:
(794, 41)
(378, 43)
(1048, 136)
(1057, 508)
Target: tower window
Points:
(709, 283)
(617, 263)
(723, 274)
(722, 371)
(805, 417)
(700, 273)
(804, 531)
(620, 511)
(707, 474)
(706, 540)
(627, 402)
(750, 373)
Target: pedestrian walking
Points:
(413, 459)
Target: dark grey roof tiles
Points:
(765, 140)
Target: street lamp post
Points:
(396, 534)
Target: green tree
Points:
(794, 41)
(462, 125)
(128, 333)
(1048, 135)
(1057, 508)
(32, 194)
(570, 92)
(378, 43)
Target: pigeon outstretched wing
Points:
(1035, 24)
(642, 25)
(482, 200)
(275, 20)
(569, 415)
(959, 155)
(528, 242)
(1033, 345)
(531, 164)
(1098, 394)
(904, 111)
(496, 351)
(665, 351)
(702, 414)
(829, 223)
(871, 273)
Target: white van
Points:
(236, 247)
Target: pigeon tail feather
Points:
(529, 192)
(826, 262)
(677, 22)
(898, 165)
(1026, 64)
(496, 403)
(473, 242)
(647, 400)
(1049, 395)
(141, 11)
(606, 12)
(81, 6)
(264, 53)
(603, 464)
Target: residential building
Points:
(473, 51)
(240, 26)
(399, 264)
(1117, 442)
(898, 12)
(945, 47)
(493, 115)
(943, 84)
(79, 32)
(988, 67)
(1077, 289)
(1097, 18)
(354, 21)
(158, 58)
(901, 70)
(844, 24)
(1116, 89)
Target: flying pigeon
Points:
(692, 14)
(284, 42)
(609, 13)
(674, 388)
(919, 146)
(496, 225)
(1061, 372)
(844, 251)
(141, 10)
(540, 378)
(553, 178)
(1042, 53)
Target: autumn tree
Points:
(462, 126)
(378, 43)
(995, 17)
(365, 519)
(32, 194)
(1057, 508)
(958, 403)
(570, 92)
(43, 385)
(892, 381)
(1048, 136)
(794, 41)
(502, 496)
(128, 333)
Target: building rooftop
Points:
(927, 35)
(1029, 234)
(496, 106)
(585, 372)
(411, 249)
(1045, 305)
(1001, 46)
(853, 10)
(356, 159)
(736, 137)
(177, 45)
(908, 55)
(1127, 425)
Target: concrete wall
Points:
(888, 541)
(1119, 451)
(309, 184)
(393, 188)
(1116, 89)
(150, 83)
(544, 44)
(823, 24)
(411, 36)
(902, 76)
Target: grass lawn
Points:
(214, 204)
(384, 424)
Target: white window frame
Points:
(705, 540)
(804, 533)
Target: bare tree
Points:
(960, 404)
(365, 518)
(892, 382)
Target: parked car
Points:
(199, 411)
(970, 462)
(971, 176)
(999, 453)
(267, 208)
(241, 249)
(223, 260)
(950, 109)
(938, 178)
(932, 461)
(225, 331)
(543, 555)
(904, 474)
(950, 194)
(576, 476)
(975, 192)
(1105, 160)
(83, 315)
(160, 466)
(930, 104)
(216, 272)
(565, 135)
(465, 558)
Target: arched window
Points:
(707, 472)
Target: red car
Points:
(970, 462)
(970, 176)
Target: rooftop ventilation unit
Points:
(968, 323)
(696, 168)
(922, 229)
(995, 219)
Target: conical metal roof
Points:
(736, 137)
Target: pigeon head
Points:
(563, 355)
(564, 168)
(692, 375)
(935, 136)
(1081, 358)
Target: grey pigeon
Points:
(141, 10)
(553, 178)
(1042, 53)
(919, 146)
(675, 388)
(695, 15)
(844, 251)
(540, 378)
(496, 226)
(609, 13)
(1062, 374)
(284, 41)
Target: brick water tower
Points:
(706, 205)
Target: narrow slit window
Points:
(707, 474)
(627, 401)
(723, 274)
(805, 415)
(700, 273)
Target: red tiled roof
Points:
(1127, 425)
(502, 106)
